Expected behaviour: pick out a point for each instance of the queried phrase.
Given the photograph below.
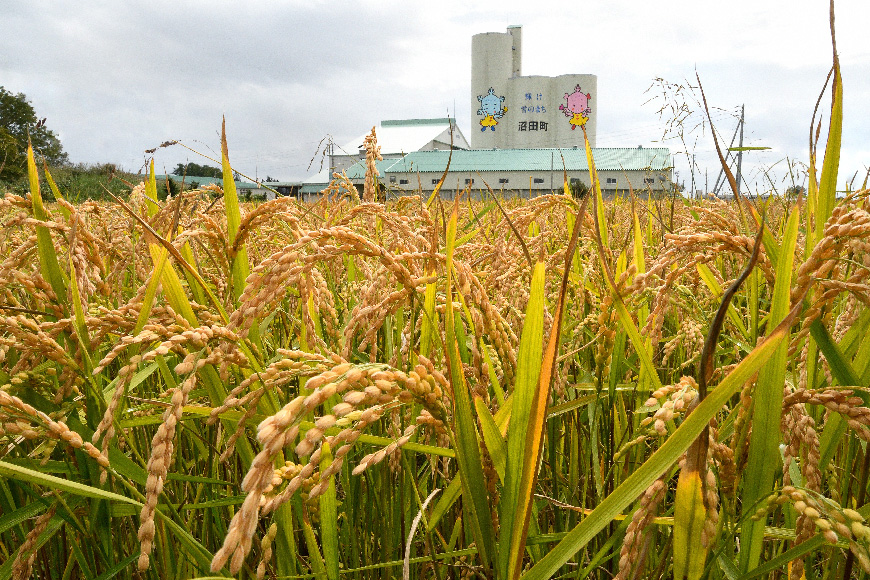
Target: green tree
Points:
(795, 191)
(579, 189)
(18, 120)
(196, 170)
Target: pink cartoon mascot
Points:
(577, 109)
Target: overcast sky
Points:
(117, 78)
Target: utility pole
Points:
(330, 148)
(740, 151)
(728, 153)
(692, 193)
(551, 171)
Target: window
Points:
(435, 182)
(503, 180)
(611, 181)
(392, 179)
(648, 180)
(469, 182)
(539, 180)
(403, 182)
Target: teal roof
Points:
(606, 159)
(484, 160)
(201, 181)
(417, 122)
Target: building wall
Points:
(538, 182)
(524, 111)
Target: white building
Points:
(396, 138)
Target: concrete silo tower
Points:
(495, 58)
(512, 111)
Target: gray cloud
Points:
(115, 79)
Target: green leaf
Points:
(317, 565)
(240, 265)
(118, 568)
(448, 497)
(54, 190)
(195, 550)
(783, 559)
(59, 484)
(48, 262)
(429, 319)
(512, 509)
(22, 514)
(493, 438)
(660, 461)
(329, 519)
(845, 375)
(689, 516)
(763, 458)
(827, 195)
(464, 437)
(713, 284)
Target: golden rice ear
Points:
(711, 500)
(632, 557)
(373, 155)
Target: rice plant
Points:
(495, 389)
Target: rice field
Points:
(501, 389)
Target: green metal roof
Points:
(201, 181)
(473, 160)
(484, 160)
(417, 122)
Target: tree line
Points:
(18, 121)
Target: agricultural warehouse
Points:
(525, 131)
(525, 172)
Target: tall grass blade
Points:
(827, 194)
(764, 456)
(662, 460)
(643, 311)
(329, 520)
(49, 265)
(465, 431)
(622, 312)
(713, 284)
(529, 406)
(843, 372)
(318, 567)
(600, 221)
(492, 437)
(513, 507)
(690, 513)
(239, 255)
(690, 510)
(54, 189)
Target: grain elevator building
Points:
(512, 111)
